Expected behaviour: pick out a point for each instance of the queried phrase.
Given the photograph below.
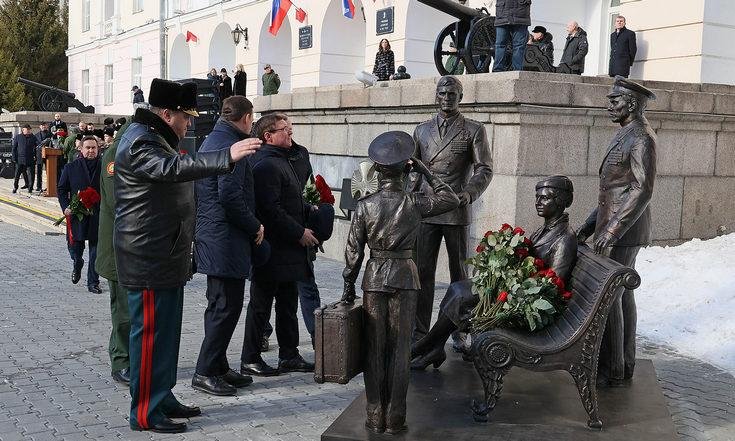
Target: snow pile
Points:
(687, 298)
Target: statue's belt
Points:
(391, 254)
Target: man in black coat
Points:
(512, 19)
(225, 227)
(622, 49)
(280, 207)
(225, 85)
(24, 157)
(57, 124)
(78, 175)
(575, 48)
(43, 137)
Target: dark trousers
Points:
(224, 305)
(262, 294)
(518, 36)
(120, 335)
(310, 300)
(427, 251)
(21, 170)
(77, 253)
(617, 352)
(39, 176)
(155, 335)
(389, 318)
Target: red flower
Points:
(480, 248)
(505, 227)
(89, 197)
(489, 233)
(522, 253)
(566, 295)
(527, 241)
(538, 263)
(558, 282)
(519, 230)
(549, 273)
(325, 193)
(502, 297)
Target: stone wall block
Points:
(505, 149)
(708, 203)
(666, 205)
(385, 96)
(599, 142)
(671, 85)
(327, 99)
(281, 101)
(725, 104)
(685, 152)
(717, 88)
(359, 137)
(304, 98)
(607, 81)
(330, 139)
(692, 102)
(552, 150)
(662, 103)
(725, 159)
(418, 95)
(495, 206)
(590, 95)
(469, 89)
(543, 92)
(494, 90)
(355, 97)
(262, 103)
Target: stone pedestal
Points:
(533, 406)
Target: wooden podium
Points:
(52, 164)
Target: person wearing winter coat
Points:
(575, 48)
(24, 157)
(512, 19)
(225, 85)
(137, 95)
(271, 82)
(241, 81)
(622, 49)
(543, 39)
(384, 65)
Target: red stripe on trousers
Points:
(146, 366)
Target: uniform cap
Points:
(391, 148)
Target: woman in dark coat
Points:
(384, 65)
(241, 80)
(555, 243)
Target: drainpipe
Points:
(162, 36)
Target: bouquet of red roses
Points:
(515, 288)
(317, 192)
(82, 204)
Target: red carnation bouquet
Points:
(82, 204)
(317, 192)
(515, 288)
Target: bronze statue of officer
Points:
(457, 151)
(622, 220)
(387, 221)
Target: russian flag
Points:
(349, 8)
(278, 14)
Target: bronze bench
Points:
(572, 343)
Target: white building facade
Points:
(115, 44)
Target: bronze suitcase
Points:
(338, 342)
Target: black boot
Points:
(437, 336)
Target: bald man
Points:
(575, 48)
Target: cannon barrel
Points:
(453, 8)
(45, 87)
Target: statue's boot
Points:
(430, 349)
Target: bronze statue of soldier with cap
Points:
(456, 150)
(621, 223)
(387, 221)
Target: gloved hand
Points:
(348, 294)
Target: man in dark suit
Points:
(456, 150)
(24, 157)
(622, 221)
(622, 49)
(280, 207)
(78, 175)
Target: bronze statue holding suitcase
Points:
(387, 221)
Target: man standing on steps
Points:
(622, 49)
(24, 158)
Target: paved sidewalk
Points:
(55, 378)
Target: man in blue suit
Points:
(78, 175)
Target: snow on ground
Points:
(687, 298)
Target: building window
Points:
(109, 9)
(85, 86)
(136, 68)
(137, 6)
(109, 79)
(85, 15)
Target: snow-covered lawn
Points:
(687, 298)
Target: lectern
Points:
(52, 164)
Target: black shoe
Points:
(435, 357)
(296, 364)
(259, 369)
(164, 426)
(265, 345)
(182, 411)
(236, 379)
(122, 376)
(213, 385)
(76, 274)
(24, 187)
(15, 190)
(95, 289)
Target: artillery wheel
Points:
(453, 33)
(479, 47)
(51, 101)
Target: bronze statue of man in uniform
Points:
(387, 221)
(622, 220)
(456, 150)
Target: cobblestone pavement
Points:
(55, 378)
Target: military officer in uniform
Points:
(456, 150)
(621, 223)
(387, 221)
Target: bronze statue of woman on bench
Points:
(555, 243)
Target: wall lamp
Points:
(240, 33)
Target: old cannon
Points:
(53, 99)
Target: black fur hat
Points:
(174, 96)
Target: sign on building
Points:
(384, 21)
(305, 37)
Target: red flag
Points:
(191, 37)
(300, 15)
(278, 14)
